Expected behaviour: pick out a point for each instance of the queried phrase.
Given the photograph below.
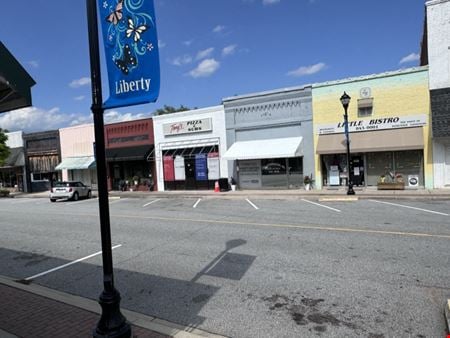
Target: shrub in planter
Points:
(4, 193)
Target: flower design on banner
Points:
(126, 33)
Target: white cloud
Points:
(84, 81)
(203, 54)
(114, 116)
(188, 42)
(218, 29)
(181, 60)
(229, 50)
(410, 58)
(307, 70)
(33, 63)
(79, 98)
(270, 2)
(161, 44)
(36, 119)
(205, 68)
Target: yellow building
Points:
(389, 130)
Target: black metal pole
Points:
(112, 323)
(350, 190)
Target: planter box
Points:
(391, 186)
(4, 193)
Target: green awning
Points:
(15, 83)
(74, 163)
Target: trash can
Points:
(223, 184)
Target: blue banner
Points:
(131, 51)
(201, 167)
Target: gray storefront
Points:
(270, 138)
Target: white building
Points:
(436, 53)
(77, 154)
(188, 149)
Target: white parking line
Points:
(321, 205)
(68, 264)
(154, 201)
(196, 203)
(407, 206)
(254, 206)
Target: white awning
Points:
(259, 149)
(73, 163)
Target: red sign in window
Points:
(169, 169)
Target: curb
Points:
(322, 196)
(338, 199)
(138, 319)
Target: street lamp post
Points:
(112, 323)
(345, 100)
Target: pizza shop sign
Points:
(187, 127)
(394, 122)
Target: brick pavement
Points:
(26, 314)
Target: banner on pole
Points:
(131, 51)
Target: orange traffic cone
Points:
(216, 187)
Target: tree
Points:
(170, 110)
(4, 149)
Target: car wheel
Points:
(75, 196)
(52, 200)
(89, 195)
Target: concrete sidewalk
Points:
(36, 311)
(361, 193)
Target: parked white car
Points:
(71, 190)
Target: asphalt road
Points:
(247, 268)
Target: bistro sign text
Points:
(374, 124)
(187, 127)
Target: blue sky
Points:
(209, 49)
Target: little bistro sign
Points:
(394, 122)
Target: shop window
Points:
(365, 107)
(273, 172)
(379, 164)
(395, 166)
(409, 166)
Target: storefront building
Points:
(270, 138)
(130, 155)
(389, 130)
(188, 149)
(42, 155)
(435, 53)
(12, 173)
(77, 155)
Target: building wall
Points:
(400, 93)
(42, 151)
(438, 19)
(129, 134)
(275, 114)
(77, 141)
(438, 40)
(218, 133)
